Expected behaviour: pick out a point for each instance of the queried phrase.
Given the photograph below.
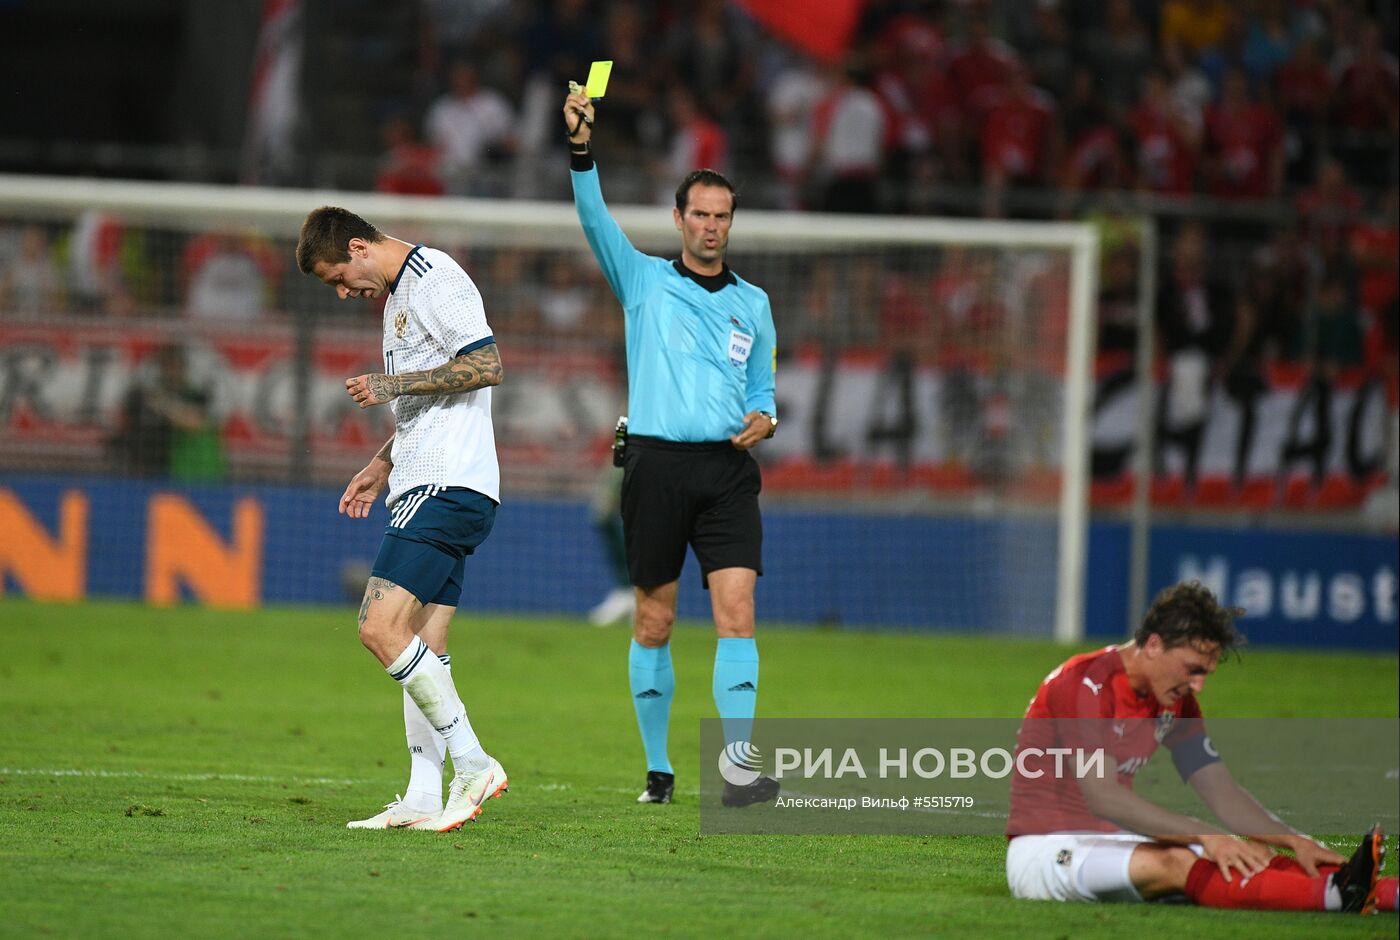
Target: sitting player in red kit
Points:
(1094, 839)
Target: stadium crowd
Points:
(1262, 134)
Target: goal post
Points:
(948, 360)
(1074, 488)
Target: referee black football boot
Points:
(660, 786)
(762, 790)
(1356, 880)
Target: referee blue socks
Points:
(653, 684)
(736, 686)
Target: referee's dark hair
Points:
(705, 177)
(1189, 613)
(326, 234)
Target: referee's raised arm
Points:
(622, 264)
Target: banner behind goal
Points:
(930, 468)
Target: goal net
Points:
(929, 471)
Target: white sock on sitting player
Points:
(1332, 897)
(429, 684)
(426, 751)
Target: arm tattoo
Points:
(480, 368)
(386, 453)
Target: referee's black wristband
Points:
(580, 156)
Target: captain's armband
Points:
(1194, 753)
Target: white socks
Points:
(426, 750)
(429, 684)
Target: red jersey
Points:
(1095, 160)
(938, 105)
(1303, 89)
(412, 170)
(1245, 141)
(1328, 216)
(1013, 136)
(1366, 95)
(979, 72)
(1376, 245)
(1093, 687)
(1165, 161)
(699, 143)
(903, 317)
(911, 35)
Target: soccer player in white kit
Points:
(443, 482)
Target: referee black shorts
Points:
(704, 495)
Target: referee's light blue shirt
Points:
(697, 361)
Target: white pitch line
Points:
(239, 778)
(193, 778)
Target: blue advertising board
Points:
(244, 546)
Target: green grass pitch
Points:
(186, 772)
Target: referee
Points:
(700, 363)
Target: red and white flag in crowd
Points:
(274, 101)
(823, 30)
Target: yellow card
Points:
(597, 82)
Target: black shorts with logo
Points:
(704, 495)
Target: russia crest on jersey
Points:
(401, 323)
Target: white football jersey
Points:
(433, 314)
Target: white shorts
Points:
(1053, 867)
